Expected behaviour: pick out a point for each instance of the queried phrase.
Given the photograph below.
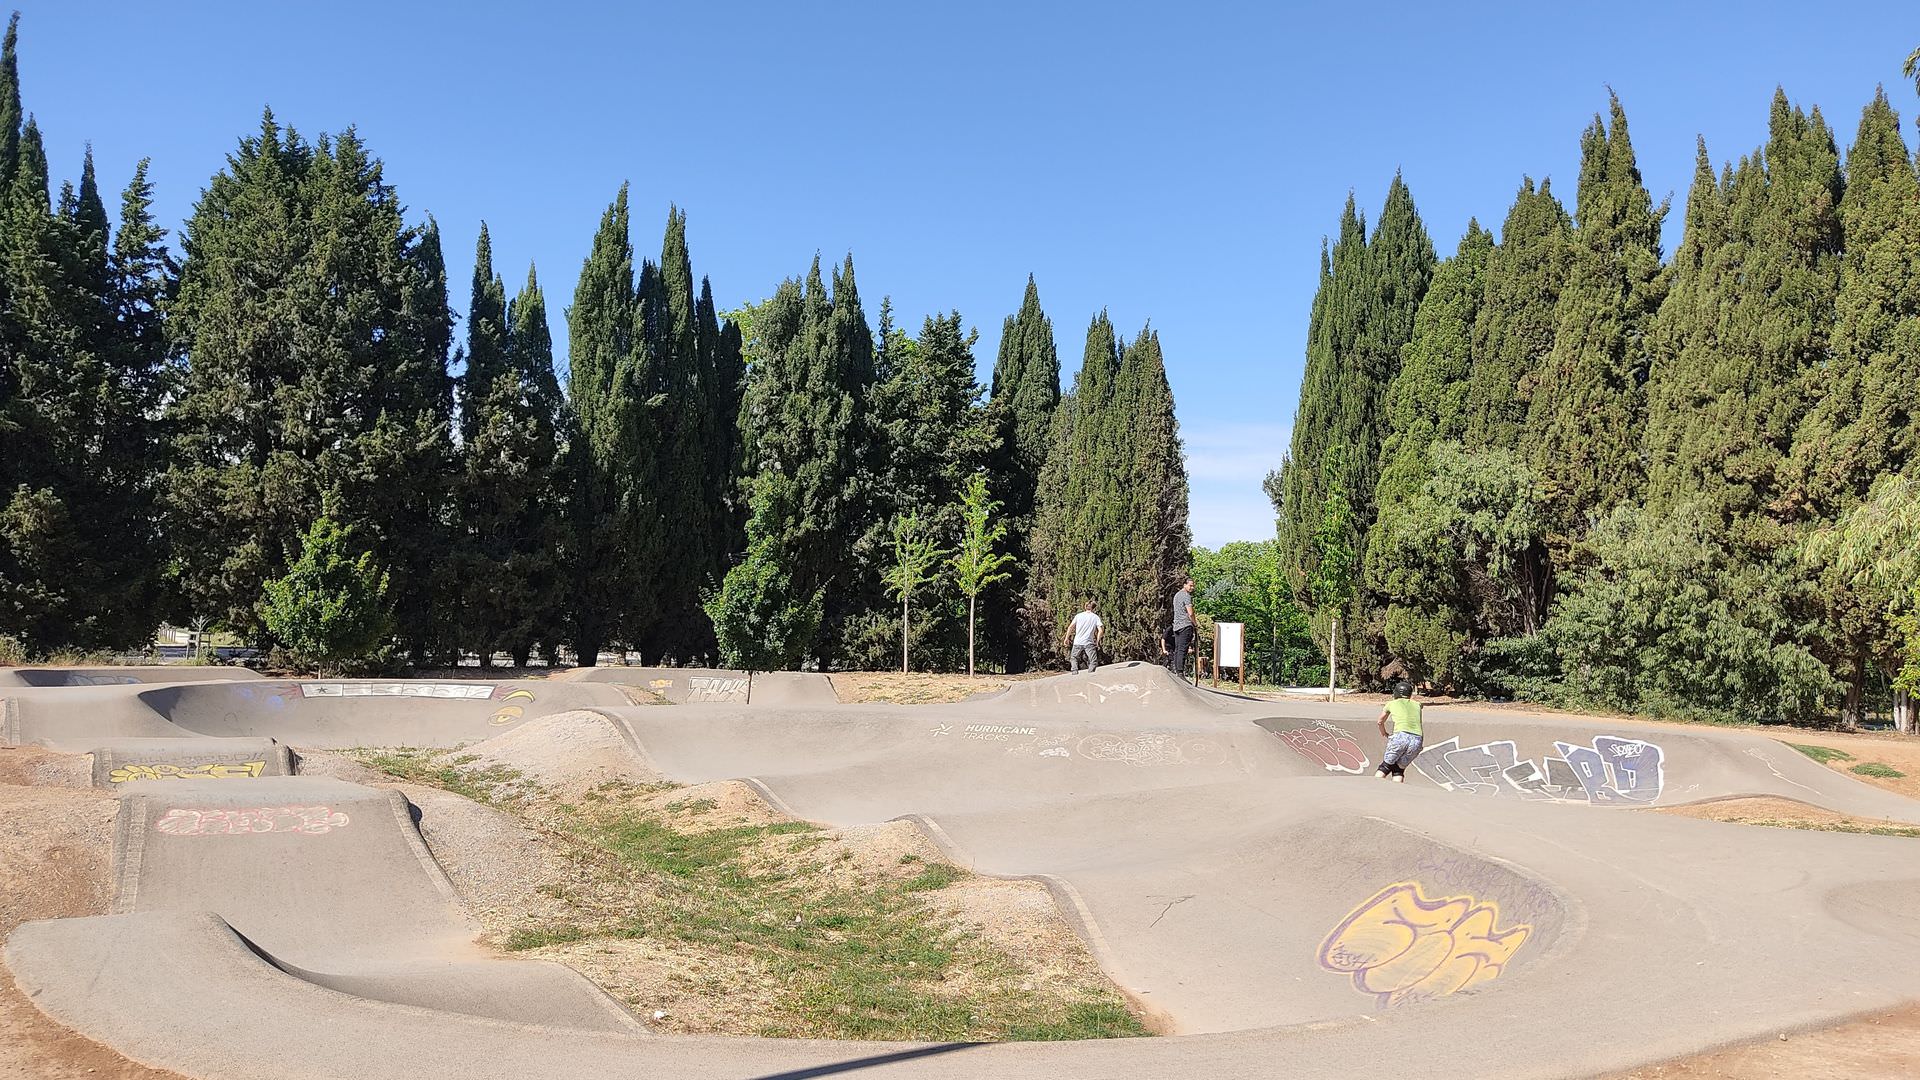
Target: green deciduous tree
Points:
(978, 562)
(329, 611)
(1243, 582)
(914, 554)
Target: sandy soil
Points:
(54, 857)
(1881, 1047)
(1780, 812)
(918, 688)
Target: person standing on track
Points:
(1180, 638)
(1083, 638)
(1403, 744)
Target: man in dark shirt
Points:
(1181, 637)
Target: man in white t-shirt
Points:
(1083, 638)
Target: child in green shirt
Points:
(1403, 744)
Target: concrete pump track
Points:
(1233, 865)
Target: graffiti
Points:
(1056, 751)
(237, 821)
(508, 713)
(1096, 693)
(243, 770)
(1151, 748)
(78, 679)
(996, 732)
(1332, 747)
(1401, 947)
(475, 691)
(1611, 771)
(715, 688)
(942, 731)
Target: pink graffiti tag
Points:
(1332, 747)
(235, 821)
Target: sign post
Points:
(1229, 639)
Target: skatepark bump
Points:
(1132, 686)
(332, 883)
(120, 676)
(134, 761)
(570, 752)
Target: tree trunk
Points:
(1333, 640)
(971, 602)
(1903, 711)
(903, 637)
(1854, 709)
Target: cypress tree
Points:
(1513, 332)
(315, 326)
(1425, 622)
(1863, 421)
(1081, 515)
(1747, 325)
(1155, 541)
(10, 114)
(509, 484)
(804, 416)
(1586, 405)
(682, 485)
(1025, 396)
(608, 445)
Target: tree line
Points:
(1561, 465)
(283, 429)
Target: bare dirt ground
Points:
(1885, 1046)
(917, 688)
(53, 864)
(1786, 813)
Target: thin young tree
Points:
(1333, 575)
(914, 556)
(977, 564)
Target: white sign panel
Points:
(1228, 640)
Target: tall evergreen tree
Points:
(315, 327)
(509, 486)
(610, 445)
(1513, 332)
(1747, 329)
(1586, 403)
(1425, 622)
(682, 484)
(1155, 540)
(1025, 396)
(1081, 514)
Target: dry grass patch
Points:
(705, 910)
(917, 688)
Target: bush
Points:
(329, 611)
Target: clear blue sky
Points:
(1178, 163)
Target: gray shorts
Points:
(1402, 748)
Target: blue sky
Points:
(1177, 164)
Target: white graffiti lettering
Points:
(471, 691)
(1611, 771)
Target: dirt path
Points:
(53, 864)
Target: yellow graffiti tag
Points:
(244, 770)
(1401, 946)
(507, 714)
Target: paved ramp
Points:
(130, 762)
(318, 714)
(681, 686)
(331, 882)
(1508, 912)
(120, 676)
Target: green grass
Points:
(1822, 754)
(850, 956)
(1878, 769)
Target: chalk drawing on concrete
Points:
(1152, 748)
(237, 821)
(1333, 748)
(1401, 947)
(716, 688)
(1099, 693)
(234, 770)
(472, 691)
(1611, 771)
